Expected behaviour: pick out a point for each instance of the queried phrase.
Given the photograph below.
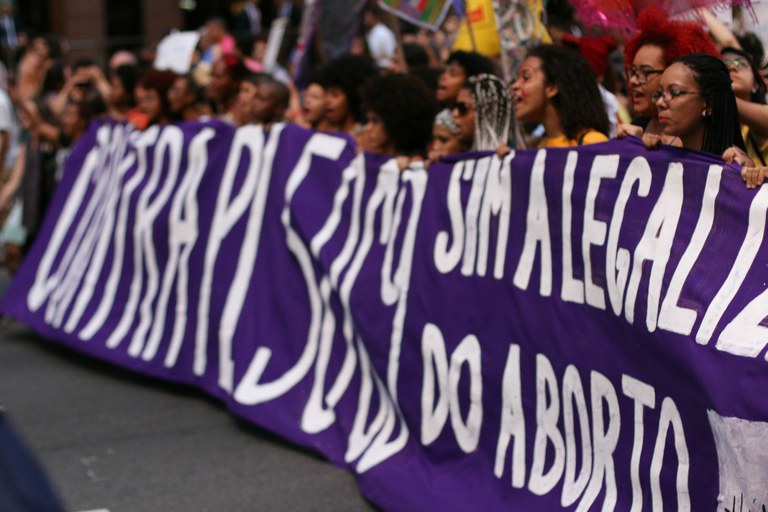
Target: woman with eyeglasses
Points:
(658, 42)
(696, 104)
(749, 88)
(558, 89)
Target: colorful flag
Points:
(425, 13)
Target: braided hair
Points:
(722, 127)
(578, 101)
(493, 111)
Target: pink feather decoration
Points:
(621, 15)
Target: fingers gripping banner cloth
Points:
(560, 329)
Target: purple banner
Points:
(561, 329)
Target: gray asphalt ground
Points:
(114, 441)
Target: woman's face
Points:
(530, 92)
(643, 78)
(376, 136)
(222, 87)
(313, 107)
(742, 78)
(148, 102)
(464, 117)
(450, 82)
(336, 106)
(71, 123)
(682, 109)
(246, 98)
(443, 142)
(179, 97)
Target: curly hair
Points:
(676, 38)
(316, 76)
(493, 111)
(473, 63)
(578, 101)
(407, 108)
(349, 74)
(722, 125)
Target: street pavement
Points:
(111, 440)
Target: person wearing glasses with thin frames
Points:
(696, 104)
(748, 86)
(658, 42)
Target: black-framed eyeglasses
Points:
(462, 108)
(670, 94)
(736, 63)
(642, 75)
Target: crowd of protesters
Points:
(403, 93)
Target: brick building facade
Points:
(96, 28)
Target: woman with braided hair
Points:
(558, 89)
(696, 104)
(483, 112)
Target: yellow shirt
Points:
(754, 148)
(589, 136)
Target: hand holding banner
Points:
(561, 328)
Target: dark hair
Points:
(407, 108)
(92, 106)
(316, 76)
(753, 46)
(349, 73)
(758, 95)
(54, 78)
(83, 62)
(160, 81)
(493, 111)
(472, 62)
(723, 128)
(578, 101)
(128, 76)
(256, 78)
(235, 66)
(279, 90)
(245, 43)
(428, 75)
(198, 92)
(415, 55)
